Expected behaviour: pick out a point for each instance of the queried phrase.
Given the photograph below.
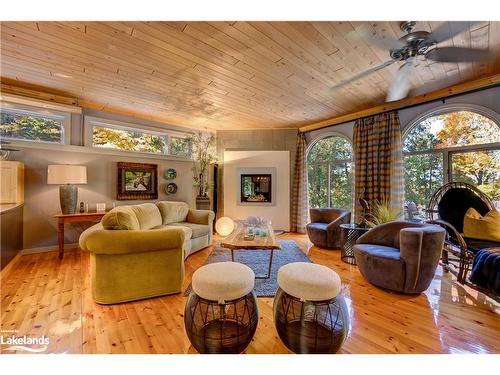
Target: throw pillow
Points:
(485, 227)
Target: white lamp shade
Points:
(66, 174)
(224, 226)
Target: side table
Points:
(73, 218)
(349, 234)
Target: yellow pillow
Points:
(485, 227)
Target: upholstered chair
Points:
(324, 228)
(400, 256)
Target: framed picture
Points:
(137, 181)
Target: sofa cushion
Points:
(188, 233)
(133, 217)
(121, 218)
(173, 212)
(198, 230)
(148, 215)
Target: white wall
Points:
(279, 214)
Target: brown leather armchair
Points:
(324, 228)
(400, 256)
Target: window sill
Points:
(91, 150)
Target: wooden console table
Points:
(73, 218)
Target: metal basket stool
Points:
(309, 314)
(217, 318)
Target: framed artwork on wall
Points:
(137, 181)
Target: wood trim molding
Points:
(8, 268)
(14, 89)
(461, 88)
(47, 249)
(43, 103)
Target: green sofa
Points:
(138, 251)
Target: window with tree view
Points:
(30, 126)
(453, 146)
(330, 173)
(179, 146)
(128, 140)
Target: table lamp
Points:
(67, 176)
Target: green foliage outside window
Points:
(180, 146)
(330, 158)
(442, 133)
(127, 140)
(29, 127)
(423, 173)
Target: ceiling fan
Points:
(417, 45)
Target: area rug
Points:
(258, 261)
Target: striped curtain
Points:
(378, 161)
(300, 213)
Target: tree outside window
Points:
(128, 140)
(330, 173)
(468, 142)
(17, 125)
(180, 146)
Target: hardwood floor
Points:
(41, 295)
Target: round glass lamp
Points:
(224, 226)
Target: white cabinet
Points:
(12, 182)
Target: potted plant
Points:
(382, 212)
(203, 152)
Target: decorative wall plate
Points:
(171, 188)
(170, 174)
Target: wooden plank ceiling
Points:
(223, 75)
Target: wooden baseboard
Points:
(46, 249)
(10, 265)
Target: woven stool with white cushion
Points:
(310, 315)
(221, 313)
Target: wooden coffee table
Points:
(239, 240)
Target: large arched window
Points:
(330, 173)
(451, 145)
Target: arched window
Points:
(451, 145)
(330, 173)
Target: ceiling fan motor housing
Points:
(415, 43)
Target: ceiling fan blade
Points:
(458, 54)
(374, 38)
(449, 29)
(362, 74)
(400, 86)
